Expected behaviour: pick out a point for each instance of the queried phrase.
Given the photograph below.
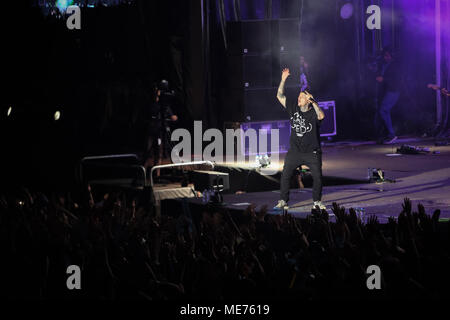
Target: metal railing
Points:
(174, 165)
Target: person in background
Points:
(159, 114)
(303, 74)
(388, 80)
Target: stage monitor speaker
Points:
(249, 37)
(283, 127)
(286, 36)
(250, 71)
(328, 126)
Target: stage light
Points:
(347, 11)
(63, 4)
(8, 113)
(57, 115)
(262, 161)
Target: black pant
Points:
(293, 160)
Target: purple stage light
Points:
(346, 11)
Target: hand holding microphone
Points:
(310, 97)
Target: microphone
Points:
(311, 98)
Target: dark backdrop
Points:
(99, 77)
(339, 52)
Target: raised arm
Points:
(317, 109)
(280, 94)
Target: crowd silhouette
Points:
(126, 251)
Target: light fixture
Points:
(347, 11)
(262, 161)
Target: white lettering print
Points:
(299, 125)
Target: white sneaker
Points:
(319, 204)
(281, 205)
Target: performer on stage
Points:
(305, 117)
(303, 74)
(388, 79)
(158, 114)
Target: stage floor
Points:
(423, 178)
